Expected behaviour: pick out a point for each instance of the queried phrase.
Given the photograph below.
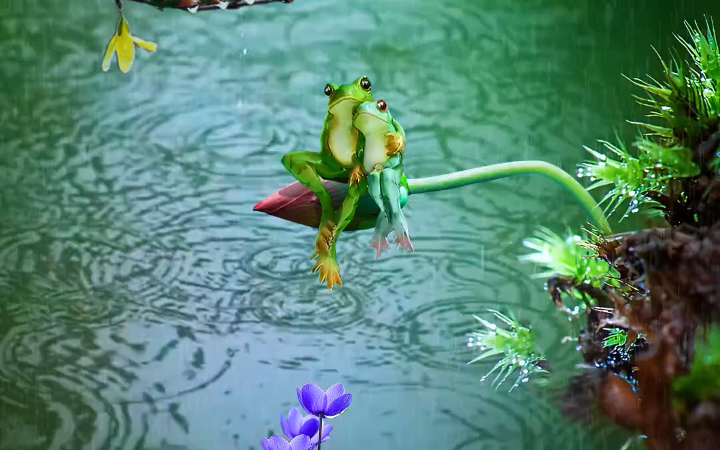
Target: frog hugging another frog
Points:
(339, 159)
(343, 158)
(382, 162)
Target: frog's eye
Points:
(381, 105)
(328, 90)
(365, 83)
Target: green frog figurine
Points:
(382, 162)
(338, 159)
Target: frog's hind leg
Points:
(309, 168)
(374, 189)
(382, 230)
(390, 181)
(326, 263)
(382, 226)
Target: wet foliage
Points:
(649, 301)
(514, 342)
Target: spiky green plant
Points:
(569, 258)
(515, 344)
(687, 105)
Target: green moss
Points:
(703, 380)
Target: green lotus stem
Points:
(487, 173)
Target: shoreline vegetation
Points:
(646, 304)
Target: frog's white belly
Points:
(375, 152)
(342, 141)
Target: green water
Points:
(144, 305)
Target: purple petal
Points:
(275, 443)
(327, 428)
(313, 399)
(333, 392)
(294, 421)
(338, 406)
(285, 427)
(299, 394)
(301, 442)
(309, 427)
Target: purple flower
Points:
(318, 402)
(297, 425)
(301, 442)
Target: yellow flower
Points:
(123, 43)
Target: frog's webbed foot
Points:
(379, 239)
(328, 268)
(394, 143)
(379, 243)
(356, 174)
(402, 240)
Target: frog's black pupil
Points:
(365, 83)
(328, 90)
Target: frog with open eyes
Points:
(382, 162)
(338, 160)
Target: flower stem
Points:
(493, 172)
(320, 432)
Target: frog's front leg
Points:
(356, 173)
(390, 182)
(395, 142)
(308, 168)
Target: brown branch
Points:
(205, 5)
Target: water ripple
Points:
(138, 290)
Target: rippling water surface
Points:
(143, 305)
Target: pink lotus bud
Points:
(298, 204)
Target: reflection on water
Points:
(143, 305)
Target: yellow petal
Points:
(109, 53)
(125, 52)
(124, 47)
(147, 45)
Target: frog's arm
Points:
(356, 174)
(398, 128)
(395, 142)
